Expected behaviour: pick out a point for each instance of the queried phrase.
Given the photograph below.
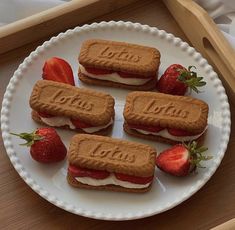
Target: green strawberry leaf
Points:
(191, 79)
(30, 138)
(197, 154)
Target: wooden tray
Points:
(54, 20)
(205, 36)
(206, 209)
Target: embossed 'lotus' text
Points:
(121, 55)
(168, 109)
(113, 153)
(73, 101)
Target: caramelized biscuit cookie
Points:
(113, 155)
(167, 111)
(120, 56)
(59, 99)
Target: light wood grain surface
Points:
(21, 208)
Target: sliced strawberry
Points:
(98, 71)
(179, 132)
(154, 129)
(181, 159)
(174, 160)
(46, 115)
(133, 179)
(57, 69)
(79, 124)
(76, 171)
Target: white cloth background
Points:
(222, 11)
(13, 10)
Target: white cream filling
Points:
(164, 133)
(97, 128)
(110, 180)
(58, 121)
(115, 77)
(62, 121)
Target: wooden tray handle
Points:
(205, 36)
(228, 225)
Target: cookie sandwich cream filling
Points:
(110, 180)
(59, 121)
(100, 178)
(165, 134)
(116, 77)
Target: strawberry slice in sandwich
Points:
(182, 159)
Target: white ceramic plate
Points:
(50, 181)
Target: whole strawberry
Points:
(57, 69)
(45, 145)
(181, 159)
(177, 79)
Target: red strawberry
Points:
(134, 179)
(98, 71)
(45, 145)
(181, 159)
(154, 129)
(79, 124)
(179, 132)
(76, 171)
(176, 80)
(57, 69)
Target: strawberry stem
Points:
(196, 154)
(191, 79)
(30, 138)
